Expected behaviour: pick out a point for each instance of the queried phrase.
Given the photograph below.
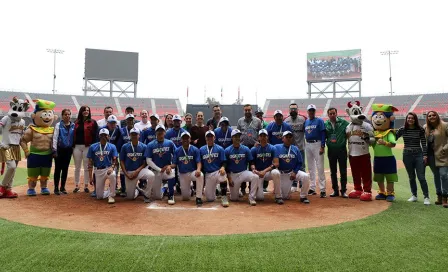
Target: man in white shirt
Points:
(108, 111)
(144, 124)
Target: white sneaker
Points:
(111, 200)
(293, 189)
(224, 201)
(427, 201)
(136, 193)
(413, 199)
(171, 200)
(252, 202)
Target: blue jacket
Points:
(64, 135)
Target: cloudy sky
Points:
(260, 46)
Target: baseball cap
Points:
(155, 115)
(311, 106)
(185, 133)
(263, 131)
(287, 133)
(135, 130)
(112, 118)
(259, 110)
(209, 132)
(160, 127)
(235, 132)
(278, 112)
(177, 117)
(104, 131)
(223, 119)
(130, 116)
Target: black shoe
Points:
(86, 190)
(198, 202)
(334, 194)
(312, 192)
(279, 201)
(64, 192)
(146, 199)
(76, 190)
(265, 190)
(56, 192)
(304, 200)
(344, 194)
(323, 195)
(123, 194)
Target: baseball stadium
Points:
(108, 178)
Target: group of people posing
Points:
(155, 159)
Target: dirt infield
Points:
(83, 213)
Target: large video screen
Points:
(111, 65)
(334, 65)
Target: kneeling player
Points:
(103, 156)
(159, 155)
(290, 162)
(238, 157)
(188, 161)
(214, 165)
(264, 164)
(133, 164)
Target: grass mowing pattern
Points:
(406, 237)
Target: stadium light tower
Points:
(54, 52)
(388, 53)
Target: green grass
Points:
(406, 237)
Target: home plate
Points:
(155, 206)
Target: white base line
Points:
(155, 206)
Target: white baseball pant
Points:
(156, 187)
(131, 184)
(273, 175)
(244, 176)
(315, 160)
(212, 180)
(286, 184)
(185, 184)
(101, 176)
(80, 156)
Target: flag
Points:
(221, 92)
(187, 91)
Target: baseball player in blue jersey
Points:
(275, 129)
(133, 164)
(103, 156)
(223, 133)
(264, 166)
(214, 165)
(125, 137)
(290, 162)
(188, 161)
(149, 134)
(159, 155)
(238, 157)
(173, 134)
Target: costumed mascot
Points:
(360, 137)
(13, 126)
(384, 163)
(39, 156)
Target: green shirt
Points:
(264, 124)
(336, 137)
(382, 150)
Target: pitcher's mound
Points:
(83, 213)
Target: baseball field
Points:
(403, 237)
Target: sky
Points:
(258, 46)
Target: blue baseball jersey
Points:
(174, 136)
(290, 158)
(124, 138)
(212, 158)
(275, 132)
(160, 152)
(186, 160)
(222, 138)
(102, 159)
(263, 156)
(133, 156)
(314, 129)
(114, 135)
(148, 135)
(238, 158)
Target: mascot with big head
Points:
(39, 156)
(13, 126)
(384, 163)
(360, 137)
